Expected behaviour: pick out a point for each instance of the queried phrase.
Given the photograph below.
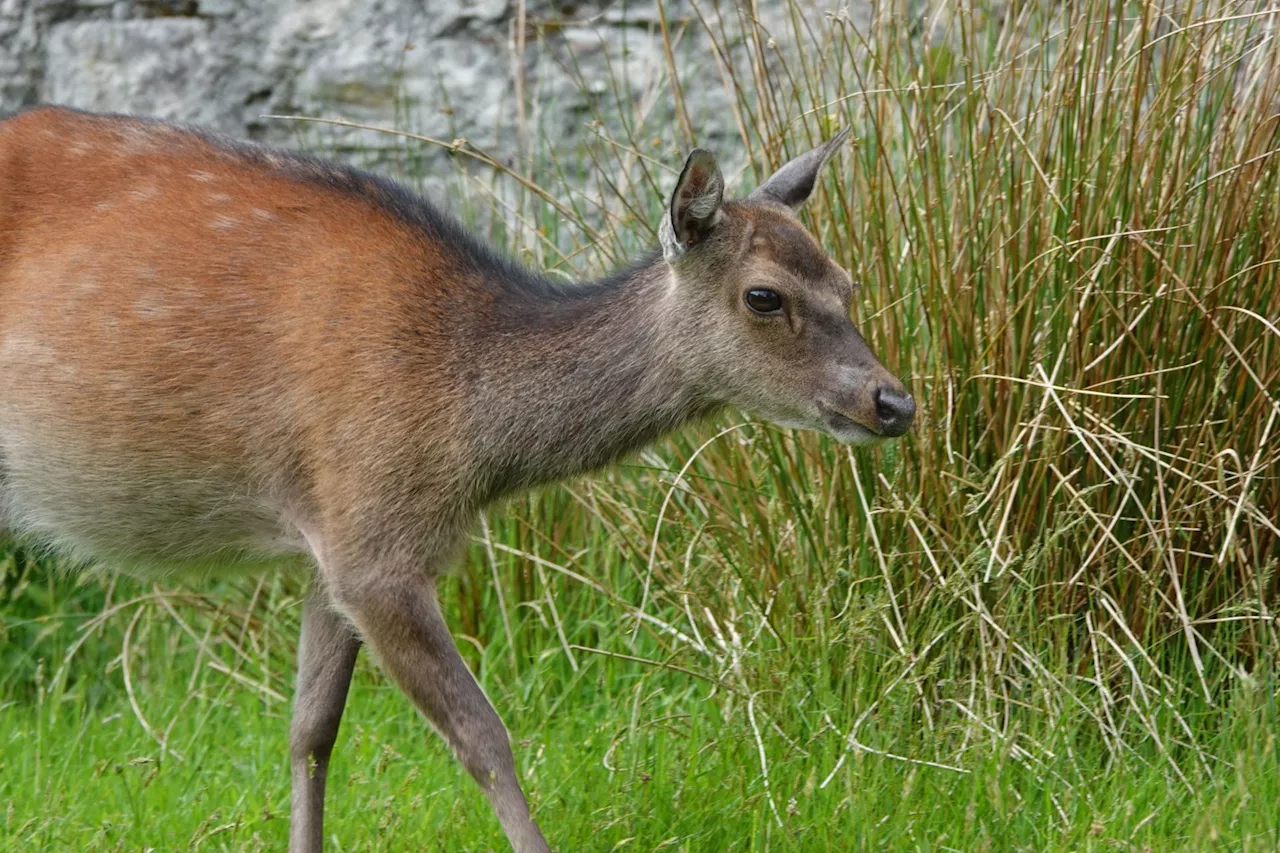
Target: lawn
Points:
(620, 753)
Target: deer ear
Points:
(695, 204)
(793, 183)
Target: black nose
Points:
(895, 409)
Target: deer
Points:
(218, 355)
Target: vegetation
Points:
(1044, 620)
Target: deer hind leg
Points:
(6, 498)
(326, 657)
(400, 619)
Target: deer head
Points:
(769, 310)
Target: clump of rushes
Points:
(1066, 222)
(1048, 616)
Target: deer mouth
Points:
(845, 429)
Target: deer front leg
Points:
(326, 657)
(400, 619)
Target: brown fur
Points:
(214, 354)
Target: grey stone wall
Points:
(444, 68)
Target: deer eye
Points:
(763, 301)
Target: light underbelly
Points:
(148, 516)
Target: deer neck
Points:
(575, 376)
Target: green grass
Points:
(1046, 620)
(617, 755)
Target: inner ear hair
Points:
(694, 208)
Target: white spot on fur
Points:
(150, 305)
(219, 198)
(135, 139)
(263, 215)
(225, 223)
(23, 348)
(201, 176)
